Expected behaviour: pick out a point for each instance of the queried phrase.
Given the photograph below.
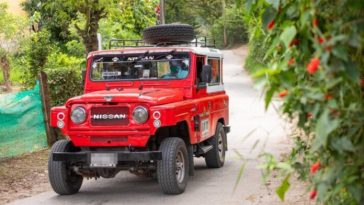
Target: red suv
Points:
(147, 108)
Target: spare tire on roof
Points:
(169, 34)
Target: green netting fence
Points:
(22, 127)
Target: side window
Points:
(215, 66)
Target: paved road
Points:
(208, 186)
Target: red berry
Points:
(313, 65)
(271, 25)
(313, 194)
(315, 167)
(283, 93)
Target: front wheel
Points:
(64, 181)
(172, 170)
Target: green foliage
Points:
(64, 76)
(235, 27)
(314, 51)
(56, 23)
(210, 18)
(36, 52)
(128, 20)
(257, 46)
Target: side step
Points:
(203, 149)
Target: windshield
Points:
(140, 67)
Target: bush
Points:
(64, 76)
(316, 67)
(64, 83)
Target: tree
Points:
(90, 13)
(11, 31)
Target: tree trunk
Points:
(4, 63)
(93, 14)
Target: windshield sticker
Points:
(110, 74)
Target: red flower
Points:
(315, 167)
(328, 97)
(291, 61)
(283, 93)
(271, 25)
(313, 65)
(321, 40)
(315, 22)
(313, 194)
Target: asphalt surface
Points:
(253, 131)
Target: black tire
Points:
(63, 180)
(215, 158)
(169, 178)
(169, 33)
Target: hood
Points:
(152, 96)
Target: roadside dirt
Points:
(23, 176)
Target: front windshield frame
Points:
(97, 57)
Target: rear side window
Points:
(216, 74)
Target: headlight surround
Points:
(78, 115)
(140, 114)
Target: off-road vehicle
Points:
(149, 107)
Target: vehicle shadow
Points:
(127, 188)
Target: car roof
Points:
(212, 52)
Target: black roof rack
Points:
(127, 43)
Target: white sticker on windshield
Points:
(109, 74)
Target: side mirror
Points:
(206, 74)
(83, 77)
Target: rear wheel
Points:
(215, 158)
(64, 181)
(173, 169)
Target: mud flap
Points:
(190, 160)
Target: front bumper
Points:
(84, 157)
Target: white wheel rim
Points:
(180, 167)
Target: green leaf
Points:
(288, 35)
(283, 188)
(340, 52)
(269, 95)
(323, 128)
(343, 144)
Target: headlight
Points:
(140, 115)
(78, 115)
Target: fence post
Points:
(44, 93)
